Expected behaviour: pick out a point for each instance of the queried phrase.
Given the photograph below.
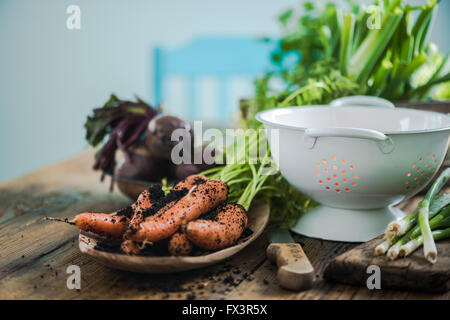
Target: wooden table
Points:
(35, 254)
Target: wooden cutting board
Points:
(410, 273)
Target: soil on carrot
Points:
(212, 215)
(158, 249)
(125, 212)
(174, 195)
(198, 181)
(155, 191)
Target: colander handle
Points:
(362, 101)
(385, 143)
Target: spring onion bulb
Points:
(393, 251)
(399, 227)
(382, 248)
(410, 246)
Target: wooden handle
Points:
(295, 272)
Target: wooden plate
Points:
(128, 187)
(258, 216)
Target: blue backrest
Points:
(219, 58)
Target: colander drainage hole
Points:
(423, 169)
(335, 174)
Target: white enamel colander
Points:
(358, 157)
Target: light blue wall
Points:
(51, 77)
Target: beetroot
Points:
(138, 164)
(181, 171)
(159, 132)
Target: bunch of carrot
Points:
(176, 217)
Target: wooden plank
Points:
(66, 188)
(35, 254)
(411, 273)
(45, 278)
(320, 253)
(27, 238)
(266, 286)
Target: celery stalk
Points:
(424, 91)
(364, 59)
(420, 91)
(361, 31)
(420, 28)
(381, 76)
(404, 72)
(346, 41)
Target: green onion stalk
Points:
(429, 247)
(413, 244)
(442, 220)
(397, 228)
(407, 227)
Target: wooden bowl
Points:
(132, 188)
(129, 187)
(258, 216)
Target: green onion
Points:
(412, 245)
(382, 247)
(441, 220)
(429, 247)
(395, 232)
(399, 227)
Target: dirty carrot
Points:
(200, 199)
(219, 231)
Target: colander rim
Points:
(259, 115)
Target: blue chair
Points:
(221, 58)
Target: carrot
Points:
(104, 224)
(130, 247)
(148, 197)
(219, 229)
(179, 245)
(200, 199)
(193, 180)
(146, 202)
